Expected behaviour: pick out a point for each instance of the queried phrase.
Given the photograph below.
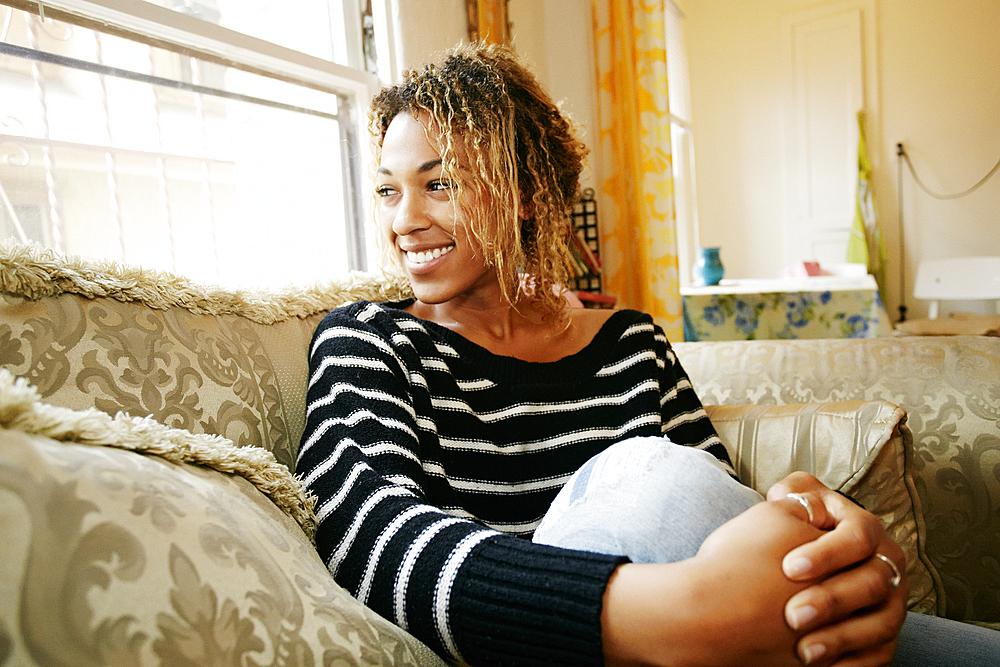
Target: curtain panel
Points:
(488, 21)
(638, 224)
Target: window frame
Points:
(165, 28)
(682, 142)
(159, 26)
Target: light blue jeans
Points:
(623, 500)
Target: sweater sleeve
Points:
(470, 593)
(684, 418)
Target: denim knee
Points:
(942, 642)
(645, 498)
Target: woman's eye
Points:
(383, 191)
(441, 185)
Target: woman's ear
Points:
(526, 208)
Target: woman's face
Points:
(426, 225)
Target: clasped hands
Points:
(795, 580)
(853, 613)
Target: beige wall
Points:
(554, 38)
(938, 90)
(426, 27)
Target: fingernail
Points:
(802, 616)
(797, 567)
(812, 653)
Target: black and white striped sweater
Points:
(433, 459)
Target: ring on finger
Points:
(802, 500)
(896, 576)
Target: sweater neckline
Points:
(584, 363)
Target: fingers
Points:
(801, 506)
(897, 575)
(797, 482)
(858, 641)
(880, 658)
(806, 504)
(840, 596)
(808, 490)
(857, 614)
(855, 537)
(855, 533)
(853, 615)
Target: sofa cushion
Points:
(114, 557)
(21, 410)
(196, 357)
(950, 389)
(863, 449)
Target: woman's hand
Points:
(853, 614)
(725, 606)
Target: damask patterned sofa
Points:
(148, 424)
(949, 387)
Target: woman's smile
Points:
(426, 256)
(424, 218)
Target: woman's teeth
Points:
(428, 255)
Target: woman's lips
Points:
(425, 256)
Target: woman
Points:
(440, 430)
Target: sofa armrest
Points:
(862, 448)
(127, 542)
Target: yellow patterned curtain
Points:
(488, 21)
(638, 225)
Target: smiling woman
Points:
(513, 169)
(445, 430)
(423, 222)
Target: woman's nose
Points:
(410, 215)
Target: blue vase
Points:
(708, 269)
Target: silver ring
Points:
(804, 502)
(896, 576)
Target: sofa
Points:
(949, 388)
(149, 425)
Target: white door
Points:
(825, 52)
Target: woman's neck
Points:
(482, 318)
(522, 332)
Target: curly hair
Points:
(521, 159)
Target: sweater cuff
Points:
(530, 604)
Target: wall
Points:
(423, 28)
(555, 39)
(938, 92)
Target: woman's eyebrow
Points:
(426, 166)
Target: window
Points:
(220, 139)
(682, 142)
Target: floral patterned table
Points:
(815, 307)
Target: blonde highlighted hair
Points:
(520, 161)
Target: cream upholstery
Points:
(862, 448)
(949, 387)
(111, 557)
(145, 561)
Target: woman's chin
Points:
(430, 295)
